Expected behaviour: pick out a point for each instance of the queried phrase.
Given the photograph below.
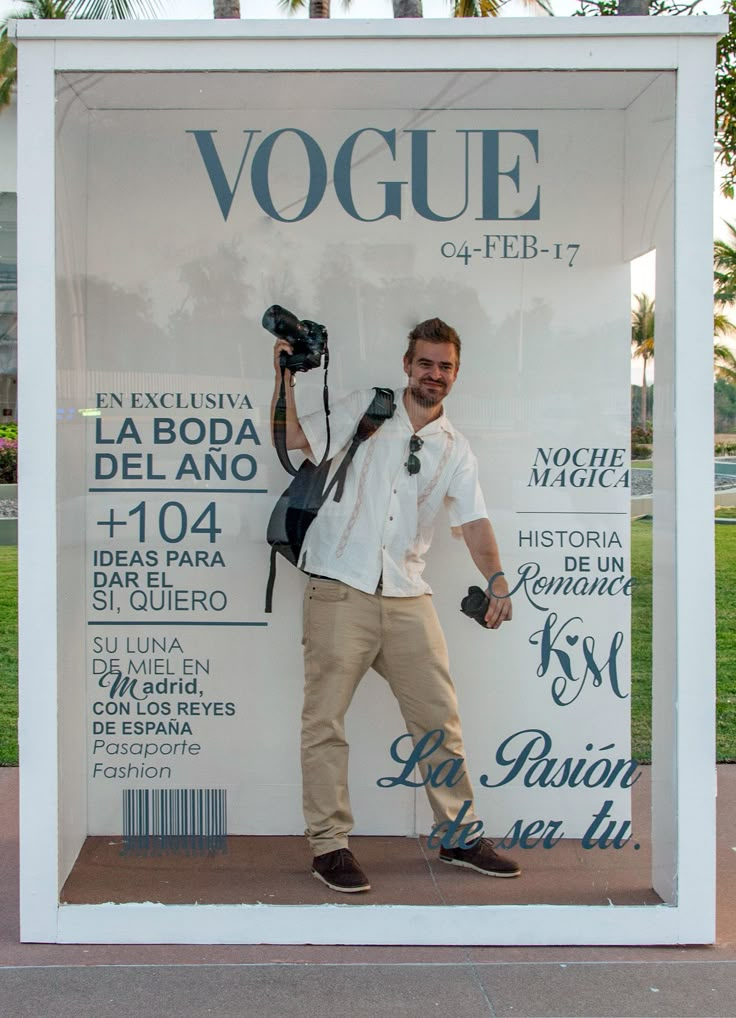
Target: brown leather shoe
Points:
(340, 871)
(481, 856)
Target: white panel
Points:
(649, 166)
(71, 238)
(694, 552)
(355, 924)
(37, 540)
(361, 91)
(664, 590)
(531, 325)
(533, 380)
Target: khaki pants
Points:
(346, 632)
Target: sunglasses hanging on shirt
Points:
(413, 464)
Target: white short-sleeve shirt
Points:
(383, 525)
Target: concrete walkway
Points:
(56, 981)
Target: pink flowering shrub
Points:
(8, 461)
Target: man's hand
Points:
(295, 437)
(499, 607)
(279, 347)
(483, 548)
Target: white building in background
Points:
(8, 264)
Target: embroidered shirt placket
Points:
(345, 537)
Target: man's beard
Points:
(427, 396)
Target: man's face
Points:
(432, 372)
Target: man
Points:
(366, 604)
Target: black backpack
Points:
(299, 504)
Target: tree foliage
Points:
(642, 341)
(608, 8)
(726, 101)
(725, 362)
(724, 294)
(44, 10)
(724, 393)
(724, 266)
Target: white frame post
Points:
(694, 558)
(687, 871)
(37, 538)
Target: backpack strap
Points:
(381, 409)
(271, 580)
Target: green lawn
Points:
(726, 638)
(8, 654)
(641, 650)
(641, 635)
(641, 640)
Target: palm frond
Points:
(45, 10)
(465, 9)
(115, 9)
(725, 362)
(642, 326)
(722, 324)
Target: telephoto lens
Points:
(282, 323)
(308, 339)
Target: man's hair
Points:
(434, 330)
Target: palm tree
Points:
(724, 263)
(725, 362)
(476, 8)
(489, 8)
(51, 9)
(642, 342)
(724, 279)
(226, 9)
(105, 9)
(317, 8)
(408, 9)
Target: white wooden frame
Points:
(683, 771)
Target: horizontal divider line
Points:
(197, 491)
(136, 622)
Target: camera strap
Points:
(278, 424)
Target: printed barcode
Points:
(191, 820)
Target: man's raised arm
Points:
(295, 437)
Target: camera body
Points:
(308, 339)
(475, 605)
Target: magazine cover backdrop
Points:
(367, 202)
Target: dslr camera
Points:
(308, 339)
